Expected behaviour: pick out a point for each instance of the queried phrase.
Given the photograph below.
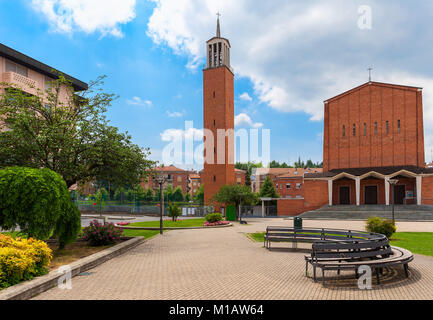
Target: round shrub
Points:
(38, 201)
(22, 259)
(382, 226)
(99, 234)
(213, 217)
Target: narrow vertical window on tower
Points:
(398, 126)
(365, 129)
(354, 130)
(387, 127)
(375, 128)
(214, 94)
(220, 54)
(344, 130)
(210, 56)
(214, 178)
(215, 57)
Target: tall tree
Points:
(199, 195)
(235, 194)
(69, 134)
(267, 190)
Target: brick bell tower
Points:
(218, 117)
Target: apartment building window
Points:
(387, 127)
(398, 126)
(354, 130)
(281, 186)
(179, 179)
(375, 128)
(14, 67)
(344, 130)
(298, 186)
(287, 185)
(365, 129)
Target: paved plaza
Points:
(224, 264)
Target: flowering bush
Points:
(99, 234)
(217, 223)
(124, 223)
(22, 259)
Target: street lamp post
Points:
(393, 182)
(160, 179)
(240, 210)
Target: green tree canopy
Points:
(71, 137)
(267, 189)
(235, 194)
(199, 195)
(248, 167)
(177, 195)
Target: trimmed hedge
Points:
(22, 259)
(38, 201)
(213, 217)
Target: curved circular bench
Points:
(337, 249)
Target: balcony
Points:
(26, 84)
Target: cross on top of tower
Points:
(218, 31)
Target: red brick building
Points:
(218, 117)
(194, 183)
(373, 134)
(175, 176)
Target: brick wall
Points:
(218, 113)
(316, 194)
(290, 207)
(427, 190)
(371, 106)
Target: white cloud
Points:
(245, 96)
(244, 119)
(137, 101)
(191, 133)
(89, 16)
(175, 114)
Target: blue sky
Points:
(288, 57)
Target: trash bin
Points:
(297, 222)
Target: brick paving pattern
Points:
(225, 264)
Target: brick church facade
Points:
(373, 135)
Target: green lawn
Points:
(417, 242)
(168, 223)
(140, 233)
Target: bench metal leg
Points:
(405, 270)
(323, 277)
(356, 273)
(306, 268)
(314, 273)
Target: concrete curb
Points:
(174, 228)
(28, 289)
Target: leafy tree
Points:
(248, 167)
(199, 195)
(168, 193)
(140, 193)
(38, 202)
(177, 195)
(235, 194)
(70, 136)
(148, 195)
(267, 190)
(187, 197)
(118, 194)
(104, 194)
(173, 211)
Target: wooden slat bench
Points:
(336, 249)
